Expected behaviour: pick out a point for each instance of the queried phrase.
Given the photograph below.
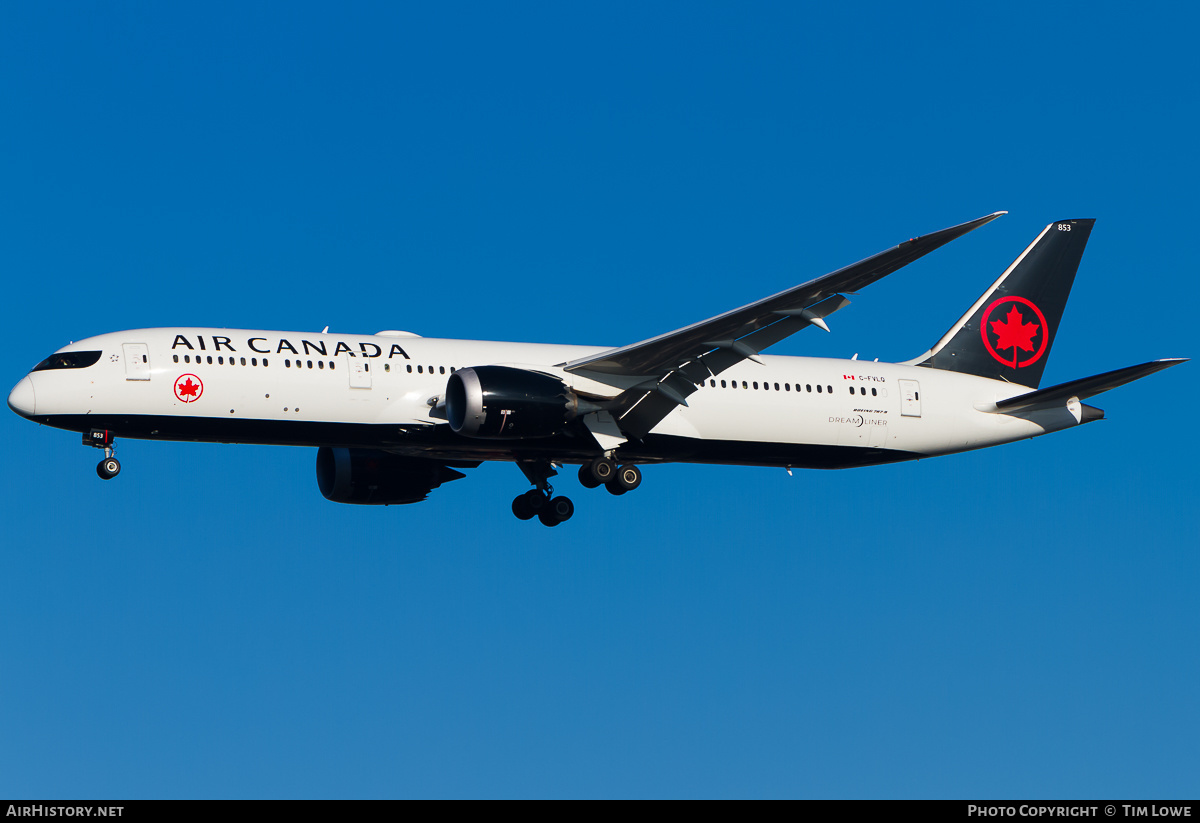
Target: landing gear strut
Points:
(109, 467)
(540, 502)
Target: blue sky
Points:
(1016, 622)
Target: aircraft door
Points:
(359, 369)
(910, 398)
(137, 361)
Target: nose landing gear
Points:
(109, 467)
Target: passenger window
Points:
(287, 364)
(175, 357)
(808, 387)
(852, 390)
(787, 386)
(320, 364)
(243, 361)
(264, 361)
(818, 389)
(744, 386)
(776, 387)
(420, 369)
(874, 392)
(220, 361)
(187, 359)
(441, 369)
(723, 384)
(253, 361)
(386, 366)
(756, 384)
(310, 364)
(830, 389)
(409, 367)
(210, 360)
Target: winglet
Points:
(940, 238)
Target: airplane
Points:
(394, 415)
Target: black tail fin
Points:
(1008, 333)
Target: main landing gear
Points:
(541, 502)
(537, 503)
(603, 471)
(109, 467)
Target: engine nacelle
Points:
(377, 478)
(500, 402)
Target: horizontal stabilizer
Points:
(1087, 386)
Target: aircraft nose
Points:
(21, 398)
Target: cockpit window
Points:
(69, 360)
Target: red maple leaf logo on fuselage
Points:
(1014, 333)
(188, 388)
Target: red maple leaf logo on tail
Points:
(1014, 333)
(188, 389)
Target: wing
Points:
(676, 363)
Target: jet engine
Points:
(500, 402)
(378, 478)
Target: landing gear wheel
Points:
(629, 477)
(626, 479)
(562, 508)
(535, 499)
(108, 468)
(558, 511)
(520, 507)
(597, 472)
(526, 505)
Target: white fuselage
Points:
(382, 391)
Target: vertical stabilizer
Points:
(1008, 333)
